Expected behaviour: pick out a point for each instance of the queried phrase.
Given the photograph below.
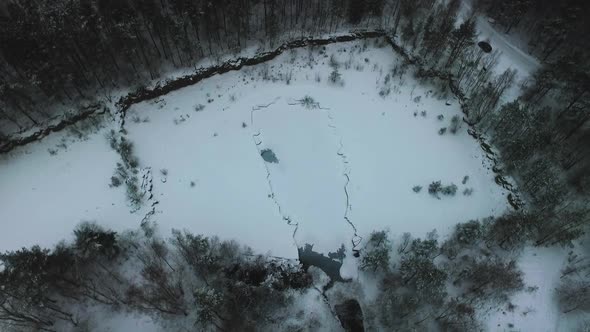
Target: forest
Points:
(57, 57)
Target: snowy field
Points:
(348, 159)
(347, 163)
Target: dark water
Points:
(330, 266)
(269, 156)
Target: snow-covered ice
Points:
(357, 148)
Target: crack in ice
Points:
(356, 239)
(257, 138)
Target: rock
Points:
(351, 315)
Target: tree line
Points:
(187, 281)
(55, 54)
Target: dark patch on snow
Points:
(331, 267)
(485, 46)
(350, 315)
(269, 156)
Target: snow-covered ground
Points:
(374, 147)
(346, 164)
(357, 156)
(534, 309)
(509, 47)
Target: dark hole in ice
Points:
(485, 46)
(269, 156)
(330, 266)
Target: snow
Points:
(512, 56)
(43, 196)
(536, 310)
(356, 144)
(346, 164)
(380, 146)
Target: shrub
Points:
(91, 239)
(115, 182)
(111, 137)
(434, 188)
(440, 117)
(467, 191)
(442, 131)
(417, 189)
(125, 149)
(164, 172)
(336, 77)
(334, 63)
(465, 179)
(377, 252)
(449, 190)
(244, 125)
(133, 192)
(309, 103)
(199, 107)
(437, 188)
(136, 119)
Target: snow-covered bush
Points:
(434, 188)
(133, 192)
(309, 103)
(465, 179)
(115, 182)
(385, 91)
(334, 63)
(377, 252)
(125, 149)
(336, 78)
(417, 189)
(199, 107)
(112, 138)
(449, 190)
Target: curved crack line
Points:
(256, 137)
(356, 239)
